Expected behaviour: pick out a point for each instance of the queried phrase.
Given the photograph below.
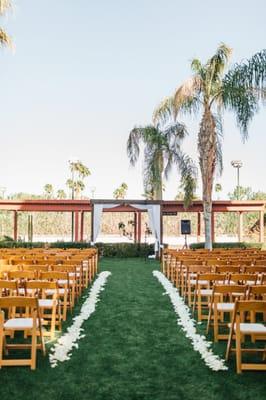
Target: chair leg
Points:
(33, 344)
(53, 321)
(238, 346)
(209, 319)
(230, 338)
(216, 324)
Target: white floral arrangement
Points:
(188, 325)
(61, 351)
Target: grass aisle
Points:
(133, 350)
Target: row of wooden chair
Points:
(231, 290)
(37, 296)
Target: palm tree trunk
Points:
(158, 191)
(158, 186)
(207, 158)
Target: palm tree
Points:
(79, 168)
(211, 91)
(77, 185)
(218, 188)
(121, 191)
(48, 191)
(61, 194)
(162, 150)
(5, 39)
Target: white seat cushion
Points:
(46, 303)
(50, 292)
(205, 292)
(194, 281)
(19, 323)
(64, 282)
(248, 328)
(225, 306)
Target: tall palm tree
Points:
(5, 39)
(77, 185)
(211, 90)
(162, 149)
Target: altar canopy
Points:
(154, 213)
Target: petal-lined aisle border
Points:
(187, 323)
(62, 349)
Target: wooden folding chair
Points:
(243, 279)
(203, 290)
(21, 277)
(32, 324)
(8, 288)
(188, 279)
(240, 328)
(62, 279)
(223, 302)
(49, 306)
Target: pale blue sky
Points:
(85, 72)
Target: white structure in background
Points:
(154, 213)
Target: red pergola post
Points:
(135, 227)
(82, 226)
(198, 226)
(15, 225)
(240, 226)
(161, 226)
(139, 227)
(76, 226)
(92, 219)
(261, 226)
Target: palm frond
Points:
(218, 62)
(133, 145)
(4, 6)
(164, 111)
(249, 74)
(5, 39)
(175, 133)
(243, 102)
(187, 96)
(189, 173)
(196, 66)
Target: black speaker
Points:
(185, 227)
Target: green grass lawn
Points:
(133, 350)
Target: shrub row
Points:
(123, 250)
(228, 245)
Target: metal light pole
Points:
(237, 164)
(92, 189)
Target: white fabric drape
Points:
(97, 217)
(154, 213)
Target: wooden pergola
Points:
(79, 207)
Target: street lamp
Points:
(237, 164)
(92, 189)
(2, 192)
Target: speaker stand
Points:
(185, 244)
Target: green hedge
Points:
(121, 250)
(125, 250)
(228, 245)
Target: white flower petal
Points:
(187, 324)
(62, 349)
